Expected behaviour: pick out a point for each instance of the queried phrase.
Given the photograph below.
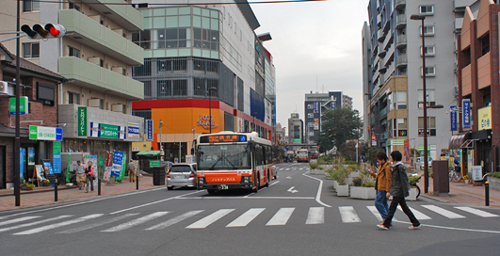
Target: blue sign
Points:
(117, 163)
(466, 114)
(49, 166)
(59, 134)
(133, 130)
(57, 163)
(22, 154)
(149, 129)
(453, 118)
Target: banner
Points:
(57, 156)
(45, 133)
(82, 121)
(453, 118)
(68, 168)
(122, 168)
(22, 156)
(117, 162)
(149, 130)
(466, 113)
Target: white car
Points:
(182, 175)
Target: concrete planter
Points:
(363, 192)
(343, 190)
(494, 183)
(335, 184)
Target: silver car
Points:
(182, 175)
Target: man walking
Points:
(131, 170)
(80, 175)
(400, 187)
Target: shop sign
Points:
(453, 118)
(466, 113)
(154, 163)
(107, 131)
(82, 121)
(204, 121)
(477, 173)
(57, 156)
(117, 163)
(23, 105)
(133, 130)
(484, 118)
(149, 130)
(45, 133)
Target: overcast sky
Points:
(314, 44)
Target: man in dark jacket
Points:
(399, 190)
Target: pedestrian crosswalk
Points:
(231, 218)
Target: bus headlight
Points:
(201, 180)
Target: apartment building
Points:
(295, 129)
(315, 105)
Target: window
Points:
(428, 31)
(179, 88)
(164, 65)
(431, 98)
(398, 100)
(31, 50)
(427, 9)
(310, 124)
(74, 6)
(73, 52)
(431, 126)
(485, 44)
(310, 106)
(164, 88)
(73, 98)
(429, 51)
(429, 71)
(400, 127)
(31, 5)
(310, 115)
(145, 113)
(45, 93)
(147, 89)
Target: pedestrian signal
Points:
(48, 31)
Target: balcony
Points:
(400, 4)
(383, 112)
(401, 21)
(85, 30)
(123, 14)
(401, 41)
(94, 77)
(402, 60)
(381, 35)
(384, 136)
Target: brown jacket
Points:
(383, 177)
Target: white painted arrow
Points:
(292, 190)
(289, 177)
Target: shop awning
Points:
(148, 153)
(456, 141)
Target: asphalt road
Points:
(298, 214)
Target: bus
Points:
(229, 160)
(302, 156)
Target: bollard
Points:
(99, 187)
(136, 182)
(55, 191)
(487, 193)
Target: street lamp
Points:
(161, 145)
(210, 105)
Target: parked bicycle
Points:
(455, 175)
(414, 182)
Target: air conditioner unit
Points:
(96, 103)
(95, 60)
(119, 70)
(118, 108)
(6, 88)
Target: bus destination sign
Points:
(223, 138)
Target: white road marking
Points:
(292, 190)
(288, 169)
(245, 218)
(348, 214)
(418, 215)
(443, 212)
(60, 224)
(8, 222)
(289, 177)
(205, 222)
(34, 223)
(375, 212)
(281, 217)
(476, 211)
(316, 215)
(97, 224)
(135, 222)
(272, 184)
(318, 194)
(175, 220)
(458, 229)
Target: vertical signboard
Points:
(484, 118)
(57, 156)
(23, 105)
(117, 163)
(453, 118)
(82, 121)
(22, 156)
(466, 113)
(149, 130)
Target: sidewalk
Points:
(460, 193)
(45, 195)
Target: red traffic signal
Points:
(48, 31)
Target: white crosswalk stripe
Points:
(348, 214)
(174, 221)
(135, 222)
(246, 218)
(444, 212)
(316, 215)
(281, 217)
(8, 222)
(60, 224)
(97, 224)
(419, 215)
(288, 169)
(476, 211)
(34, 223)
(375, 212)
(205, 222)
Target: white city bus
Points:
(229, 160)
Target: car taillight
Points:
(168, 175)
(191, 175)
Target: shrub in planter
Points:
(313, 165)
(339, 174)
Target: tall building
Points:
(394, 73)
(315, 105)
(295, 129)
(205, 70)
(96, 56)
(346, 101)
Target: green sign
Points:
(57, 147)
(100, 162)
(297, 140)
(33, 132)
(109, 131)
(122, 168)
(154, 163)
(23, 105)
(82, 121)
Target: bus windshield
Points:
(217, 157)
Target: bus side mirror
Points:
(192, 151)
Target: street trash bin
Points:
(158, 175)
(441, 181)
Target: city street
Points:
(298, 214)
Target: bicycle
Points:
(455, 175)
(414, 183)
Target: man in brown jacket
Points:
(382, 184)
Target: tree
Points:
(338, 126)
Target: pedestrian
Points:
(80, 175)
(400, 187)
(89, 173)
(131, 170)
(382, 183)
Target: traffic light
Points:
(48, 31)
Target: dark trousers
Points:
(392, 209)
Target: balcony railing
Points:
(401, 40)
(402, 59)
(383, 112)
(400, 20)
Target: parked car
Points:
(182, 175)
